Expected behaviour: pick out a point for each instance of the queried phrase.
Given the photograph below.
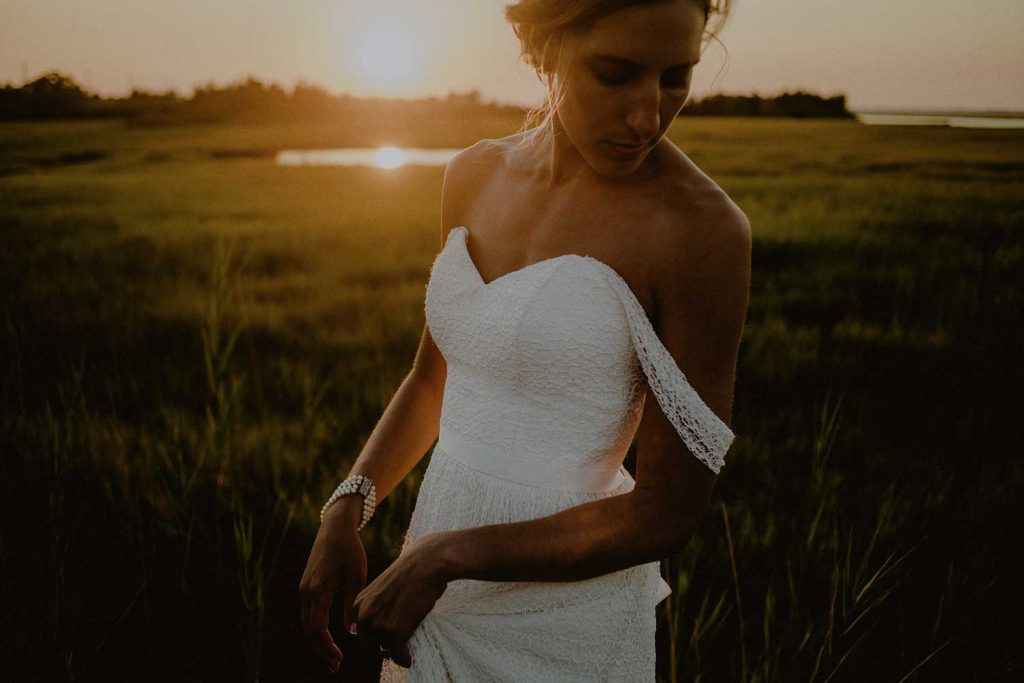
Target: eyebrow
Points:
(630, 63)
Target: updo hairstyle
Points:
(542, 27)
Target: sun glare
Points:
(389, 157)
(385, 58)
(383, 48)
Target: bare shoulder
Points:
(482, 157)
(701, 246)
(472, 169)
(513, 153)
(700, 225)
(463, 177)
(480, 153)
(699, 265)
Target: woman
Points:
(532, 553)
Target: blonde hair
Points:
(542, 27)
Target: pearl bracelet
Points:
(357, 483)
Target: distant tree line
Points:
(54, 95)
(798, 104)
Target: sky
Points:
(882, 54)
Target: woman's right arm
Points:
(411, 422)
(401, 438)
(406, 429)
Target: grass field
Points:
(197, 342)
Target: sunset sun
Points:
(385, 56)
(381, 49)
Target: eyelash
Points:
(622, 80)
(612, 80)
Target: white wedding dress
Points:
(547, 367)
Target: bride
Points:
(591, 286)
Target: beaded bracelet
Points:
(357, 483)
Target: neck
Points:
(556, 163)
(562, 162)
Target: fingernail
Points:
(352, 628)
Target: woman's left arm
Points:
(700, 317)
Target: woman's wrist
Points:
(354, 484)
(443, 550)
(345, 513)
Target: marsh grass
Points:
(196, 345)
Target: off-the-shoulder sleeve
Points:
(703, 432)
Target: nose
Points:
(644, 115)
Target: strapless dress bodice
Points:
(546, 371)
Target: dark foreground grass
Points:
(196, 343)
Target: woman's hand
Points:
(391, 608)
(337, 560)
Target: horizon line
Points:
(865, 109)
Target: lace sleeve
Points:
(703, 432)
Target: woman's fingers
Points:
(328, 648)
(324, 642)
(316, 605)
(400, 654)
(353, 586)
(374, 636)
(336, 562)
(379, 639)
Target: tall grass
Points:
(195, 349)
(790, 640)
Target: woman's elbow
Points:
(665, 524)
(676, 531)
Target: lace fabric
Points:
(703, 432)
(545, 389)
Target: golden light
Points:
(386, 57)
(384, 48)
(389, 157)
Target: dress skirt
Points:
(598, 629)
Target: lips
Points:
(627, 147)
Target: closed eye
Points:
(676, 78)
(612, 78)
(612, 70)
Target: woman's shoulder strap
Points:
(703, 432)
